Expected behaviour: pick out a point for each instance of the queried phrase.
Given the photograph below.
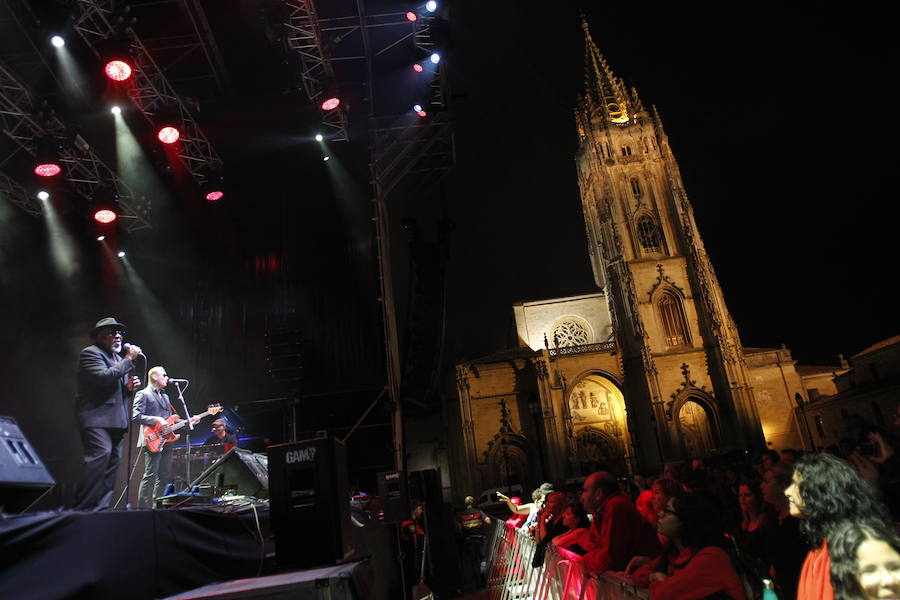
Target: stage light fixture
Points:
(118, 70)
(435, 57)
(417, 107)
(43, 195)
(213, 188)
(57, 41)
(327, 158)
(168, 134)
(319, 137)
(47, 169)
(331, 103)
(46, 160)
(215, 195)
(431, 6)
(418, 68)
(411, 17)
(121, 254)
(116, 110)
(104, 216)
(422, 113)
(100, 238)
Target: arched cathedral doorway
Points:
(696, 429)
(596, 409)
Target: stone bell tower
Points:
(686, 384)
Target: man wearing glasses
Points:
(152, 407)
(104, 380)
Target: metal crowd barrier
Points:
(511, 576)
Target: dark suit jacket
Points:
(101, 395)
(148, 404)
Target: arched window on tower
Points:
(635, 187)
(648, 232)
(671, 314)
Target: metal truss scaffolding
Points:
(82, 168)
(16, 194)
(151, 91)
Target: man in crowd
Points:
(105, 378)
(152, 407)
(618, 531)
(472, 524)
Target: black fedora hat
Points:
(106, 322)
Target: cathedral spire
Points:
(604, 93)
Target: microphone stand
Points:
(190, 424)
(129, 469)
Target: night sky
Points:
(775, 117)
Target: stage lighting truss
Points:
(304, 37)
(81, 167)
(18, 195)
(151, 90)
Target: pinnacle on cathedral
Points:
(604, 93)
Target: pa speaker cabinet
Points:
(309, 502)
(23, 477)
(393, 488)
(240, 472)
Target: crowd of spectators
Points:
(815, 525)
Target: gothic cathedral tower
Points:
(686, 382)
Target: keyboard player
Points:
(221, 434)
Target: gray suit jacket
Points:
(148, 404)
(101, 395)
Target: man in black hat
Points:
(105, 378)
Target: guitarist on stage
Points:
(151, 407)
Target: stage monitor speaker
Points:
(309, 502)
(239, 472)
(393, 487)
(23, 477)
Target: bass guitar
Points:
(156, 436)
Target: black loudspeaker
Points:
(309, 502)
(393, 487)
(23, 477)
(239, 472)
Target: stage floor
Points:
(131, 554)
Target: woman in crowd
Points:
(826, 493)
(577, 538)
(865, 561)
(694, 564)
(787, 548)
(529, 509)
(549, 525)
(757, 524)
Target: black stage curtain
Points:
(139, 554)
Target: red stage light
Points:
(117, 70)
(418, 68)
(47, 169)
(215, 195)
(168, 135)
(104, 215)
(331, 103)
(422, 113)
(411, 17)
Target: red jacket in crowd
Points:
(693, 575)
(815, 578)
(619, 532)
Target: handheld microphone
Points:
(126, 347)
(174, 380)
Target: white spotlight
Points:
(431, 6)
(100, 238)
(57, 41)
(326, 158)
(417, 107)
(42, 195)
(116, 110)
(121, 253)
(435, 58)
(319, 137)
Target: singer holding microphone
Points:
(105, 379)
